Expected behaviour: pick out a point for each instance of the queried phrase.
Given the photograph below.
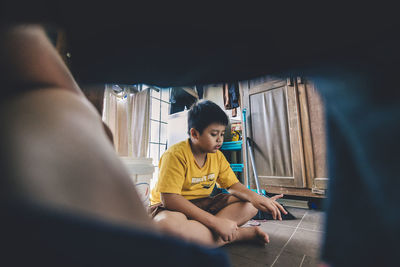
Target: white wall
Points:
(215, 93)
(177, 127)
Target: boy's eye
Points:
(213, 134)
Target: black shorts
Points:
(210, 204)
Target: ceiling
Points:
(201, 43)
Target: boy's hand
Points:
(225, 228)
(269, 205)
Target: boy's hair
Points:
(204, 113)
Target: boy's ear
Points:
(194, 133)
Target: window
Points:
(159, 104)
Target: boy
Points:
(181, 202)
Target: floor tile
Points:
(294, 241)
(313, 220)
(239, 261)
(289, 259)
(238, 249)
(298, 213)
(309, 262)
(305, 242)
(261, 255)
(278, 234)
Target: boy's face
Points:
(211, 139)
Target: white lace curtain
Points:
(127, 113)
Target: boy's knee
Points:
(250, 209)
(170, 221)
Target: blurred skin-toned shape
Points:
(55, 150)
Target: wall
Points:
(215, 93)
(177, 127)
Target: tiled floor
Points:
(292, 243)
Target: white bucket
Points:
(141, 172)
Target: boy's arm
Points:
(260, 202)
(225, 228)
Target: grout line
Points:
(287, 242)
(301, 263)
(301, 228)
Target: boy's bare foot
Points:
(252, 234)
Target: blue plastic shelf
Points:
(233, 145)
(237, 167)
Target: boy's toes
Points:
(261, 236)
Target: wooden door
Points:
(314, 135)
(274, 125)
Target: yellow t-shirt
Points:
(180, 174)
